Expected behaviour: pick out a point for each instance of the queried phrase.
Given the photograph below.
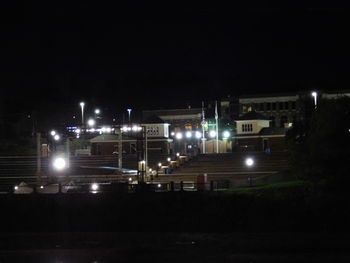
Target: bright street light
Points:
(94, 187)
(59, 163)
(198, 134)
(178, 135)
(168, 159)
(177, 154)
(159, 164)
(53, 133)
(226, 134)
(314, 94)
(82, 104)
(56, 137)
(188, 134)
(91, 122)
(249, 162)
(97, 111)
(212, 133)
(129, 112)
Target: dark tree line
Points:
(320, 145)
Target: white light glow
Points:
(97, 111)
(177, 154)
(77, 131)
(168, 159)
(82, 104)
(135, 128)
(130, 179)
(314, 94)
(94, 187)
(159, 185)
(212, 133)
(91, 122)
(172, 133)
(53, 133)
(41, 187)
(249, 162)
(188, 134)
(198, 134)
(16, 187)
(178, 136)
(59, 163)
(56, 137)
(226, 134)
(160, 164)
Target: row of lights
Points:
(198, 135)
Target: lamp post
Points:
(249, 162)
(314, 94)
(82, 104)
(129, 113)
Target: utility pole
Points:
(38, 157)
(120, 149)
(203, 128)
(217, 126)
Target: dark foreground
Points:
(175, 247)
(285, 225)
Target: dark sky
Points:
(144, 55)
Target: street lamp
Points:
(188, 134)
(178, 135)
(129, 112)
(59, 163)
(249, 162)
(314, 94)
(198, 134)
(97, 111)
(53, 133)
(91, 122)
(169, 159)
(82, 104)
(212, 134)
(56, 137)
(226, 134)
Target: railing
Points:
(107, 187)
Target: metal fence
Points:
(105, 188)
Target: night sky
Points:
(146, 56)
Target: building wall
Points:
(256, 143)
(129, 147)
(257, 125)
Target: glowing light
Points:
(188, 134)
(130, 179)
(226, 134)
(198, 134)
(77, 131)
(59, 163)
(314, 94)
(168, 159)
(160, 164)
(159, 185)
(249, 162)
(16, 187)
(56, 137)
(82, 104)
(178, 135)
(94, 187)
(91, 122)
(41, 187)
(177, 154)
(53, 133)
(172, 133)
(97, 111)
(212, 133)
(135, 128)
